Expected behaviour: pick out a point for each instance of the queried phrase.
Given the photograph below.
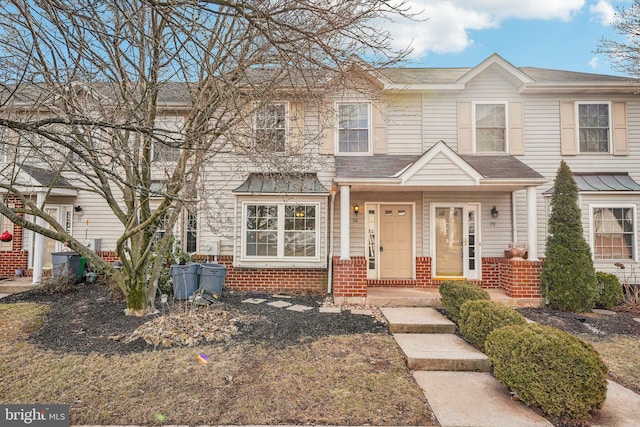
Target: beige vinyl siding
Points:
(404, 131)
(439, 113)
(543, 153)
(443, 171)
(357, 232)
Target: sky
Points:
(557, 34)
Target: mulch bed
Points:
(87, 320)
(592, 324)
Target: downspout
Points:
(332, 203)
(514, 219)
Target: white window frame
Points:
(592, 231)
(474, 125)
(256, 108)
(369, 129)
(189, 213)
(280, 232)
(609, 132)
(176, 123)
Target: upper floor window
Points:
(167, 146)
(593, 128)
(491, 125)
(613, 233)
(354, 127)
(270, 129)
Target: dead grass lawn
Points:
(621, 354)
(344, 380)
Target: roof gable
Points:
(441, 166)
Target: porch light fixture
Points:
(494, 212)
(356, 209)
(77, 208)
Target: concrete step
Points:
(440, 352)
(403, 297)
(417, 320)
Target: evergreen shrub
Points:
(610, 290)
(568, 278)
(550, 369)
(454, 293)
(478, 318)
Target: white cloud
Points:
(447, 25)
(604, 12)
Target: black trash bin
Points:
(72, 261)
(185, 279)
(212, 277)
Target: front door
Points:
(396, 242)
(455, 238)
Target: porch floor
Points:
(427, 297)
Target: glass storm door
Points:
(456, 231)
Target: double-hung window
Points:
(594, 124)
(491, 127)
(613, 233)
(281, 230)
(354, 127)
(168, 139)
(270, 126)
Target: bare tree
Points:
(89, 86)
(624, 53)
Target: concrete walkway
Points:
(453, 377)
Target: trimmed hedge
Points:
(454, 293)
(610, 290)
(478, 318)
(549, 368)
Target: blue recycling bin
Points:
(185, 279)
(212, 277)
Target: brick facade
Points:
(274, 279)
(15, 258)
(517, 277)
(350, 277)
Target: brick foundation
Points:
(518, 278)
(15, 258)
(274, 279)
(350, 277)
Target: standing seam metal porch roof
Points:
(258, 183)
(603, 181)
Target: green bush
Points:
(568, 278)
(549, 368)
(478, 318)
(610, 290)
(456, 292)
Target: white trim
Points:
(377, 205)
(440, 148)
(336, 138)
(280, 260)
(287, 120)
(466, 207)
(474, 104)
(591, 230)
(609, 131)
